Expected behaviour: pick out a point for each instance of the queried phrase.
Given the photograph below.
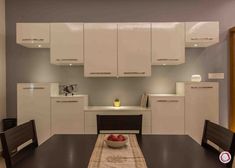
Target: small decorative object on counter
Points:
(116, 103)
(196, 78)
(69, 89)
(144, 100)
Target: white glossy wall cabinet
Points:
(201, 34)
(168, 43)
(201, 103)
(33, 103)
(134, 49)
(66, 43)
(67, 115)
(167, 114)
(100, 49)
(33, 35)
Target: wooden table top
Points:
(160, 151)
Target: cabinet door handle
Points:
(202, 87)
(33, 88)
(167, 101)
(202, 38)
(66, 101)
(67, 59)
(167, 59)
(34, 39)
(100, 73)
(134, 73)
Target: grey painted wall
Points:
(32, 65)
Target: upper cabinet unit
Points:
(202, 34)
(66, 43)
(134, 49)
(33, 35)
(100, 49)
(168, 43)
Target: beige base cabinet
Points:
(33, 103)
(201, 103)
(167, 114)
(66, 47)
(168, 43)
(67, 115)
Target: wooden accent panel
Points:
(232, 79)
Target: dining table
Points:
(159, 151)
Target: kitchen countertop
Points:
(111, 108)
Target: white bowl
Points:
(116, 144)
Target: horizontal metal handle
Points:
(201, 87)
(166, 59)
(171, 101)
(66, 101)
(100, 73)
(202, 38)
(127, 73)
(33, 88)
(33, 39)
(67, 59)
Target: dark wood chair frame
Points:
(220, 136)
(15, 137)
(119, 122)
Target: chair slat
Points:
(15, 137)
(119, 122)
(222, 137)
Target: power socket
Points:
(215, 75)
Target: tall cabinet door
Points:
(134, 49)
(66, 43)
(167, 114)
(33, 103)
(100, 47)
(168, 43)
(201, 103)
(67, 115)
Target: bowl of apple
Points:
(116, 141)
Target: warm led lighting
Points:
(163, 64)
(70, 64)
(195, 45)
(39, 46)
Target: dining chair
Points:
(220, 136)
(23, 136)
(119, 122)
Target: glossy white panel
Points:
(33, 35)
(168, 43)
(66, 43)
(134, 49)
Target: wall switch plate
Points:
(215, 75)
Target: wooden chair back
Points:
(220, 136)
(15, 137)
(119, 122)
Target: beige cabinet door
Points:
(66, 43)
(168, 43)
(167, 114)
(201, 34)
(33, 103)
(134, 49)
(67, 115)
(100, 49)
(33, 35)
(201, 103)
